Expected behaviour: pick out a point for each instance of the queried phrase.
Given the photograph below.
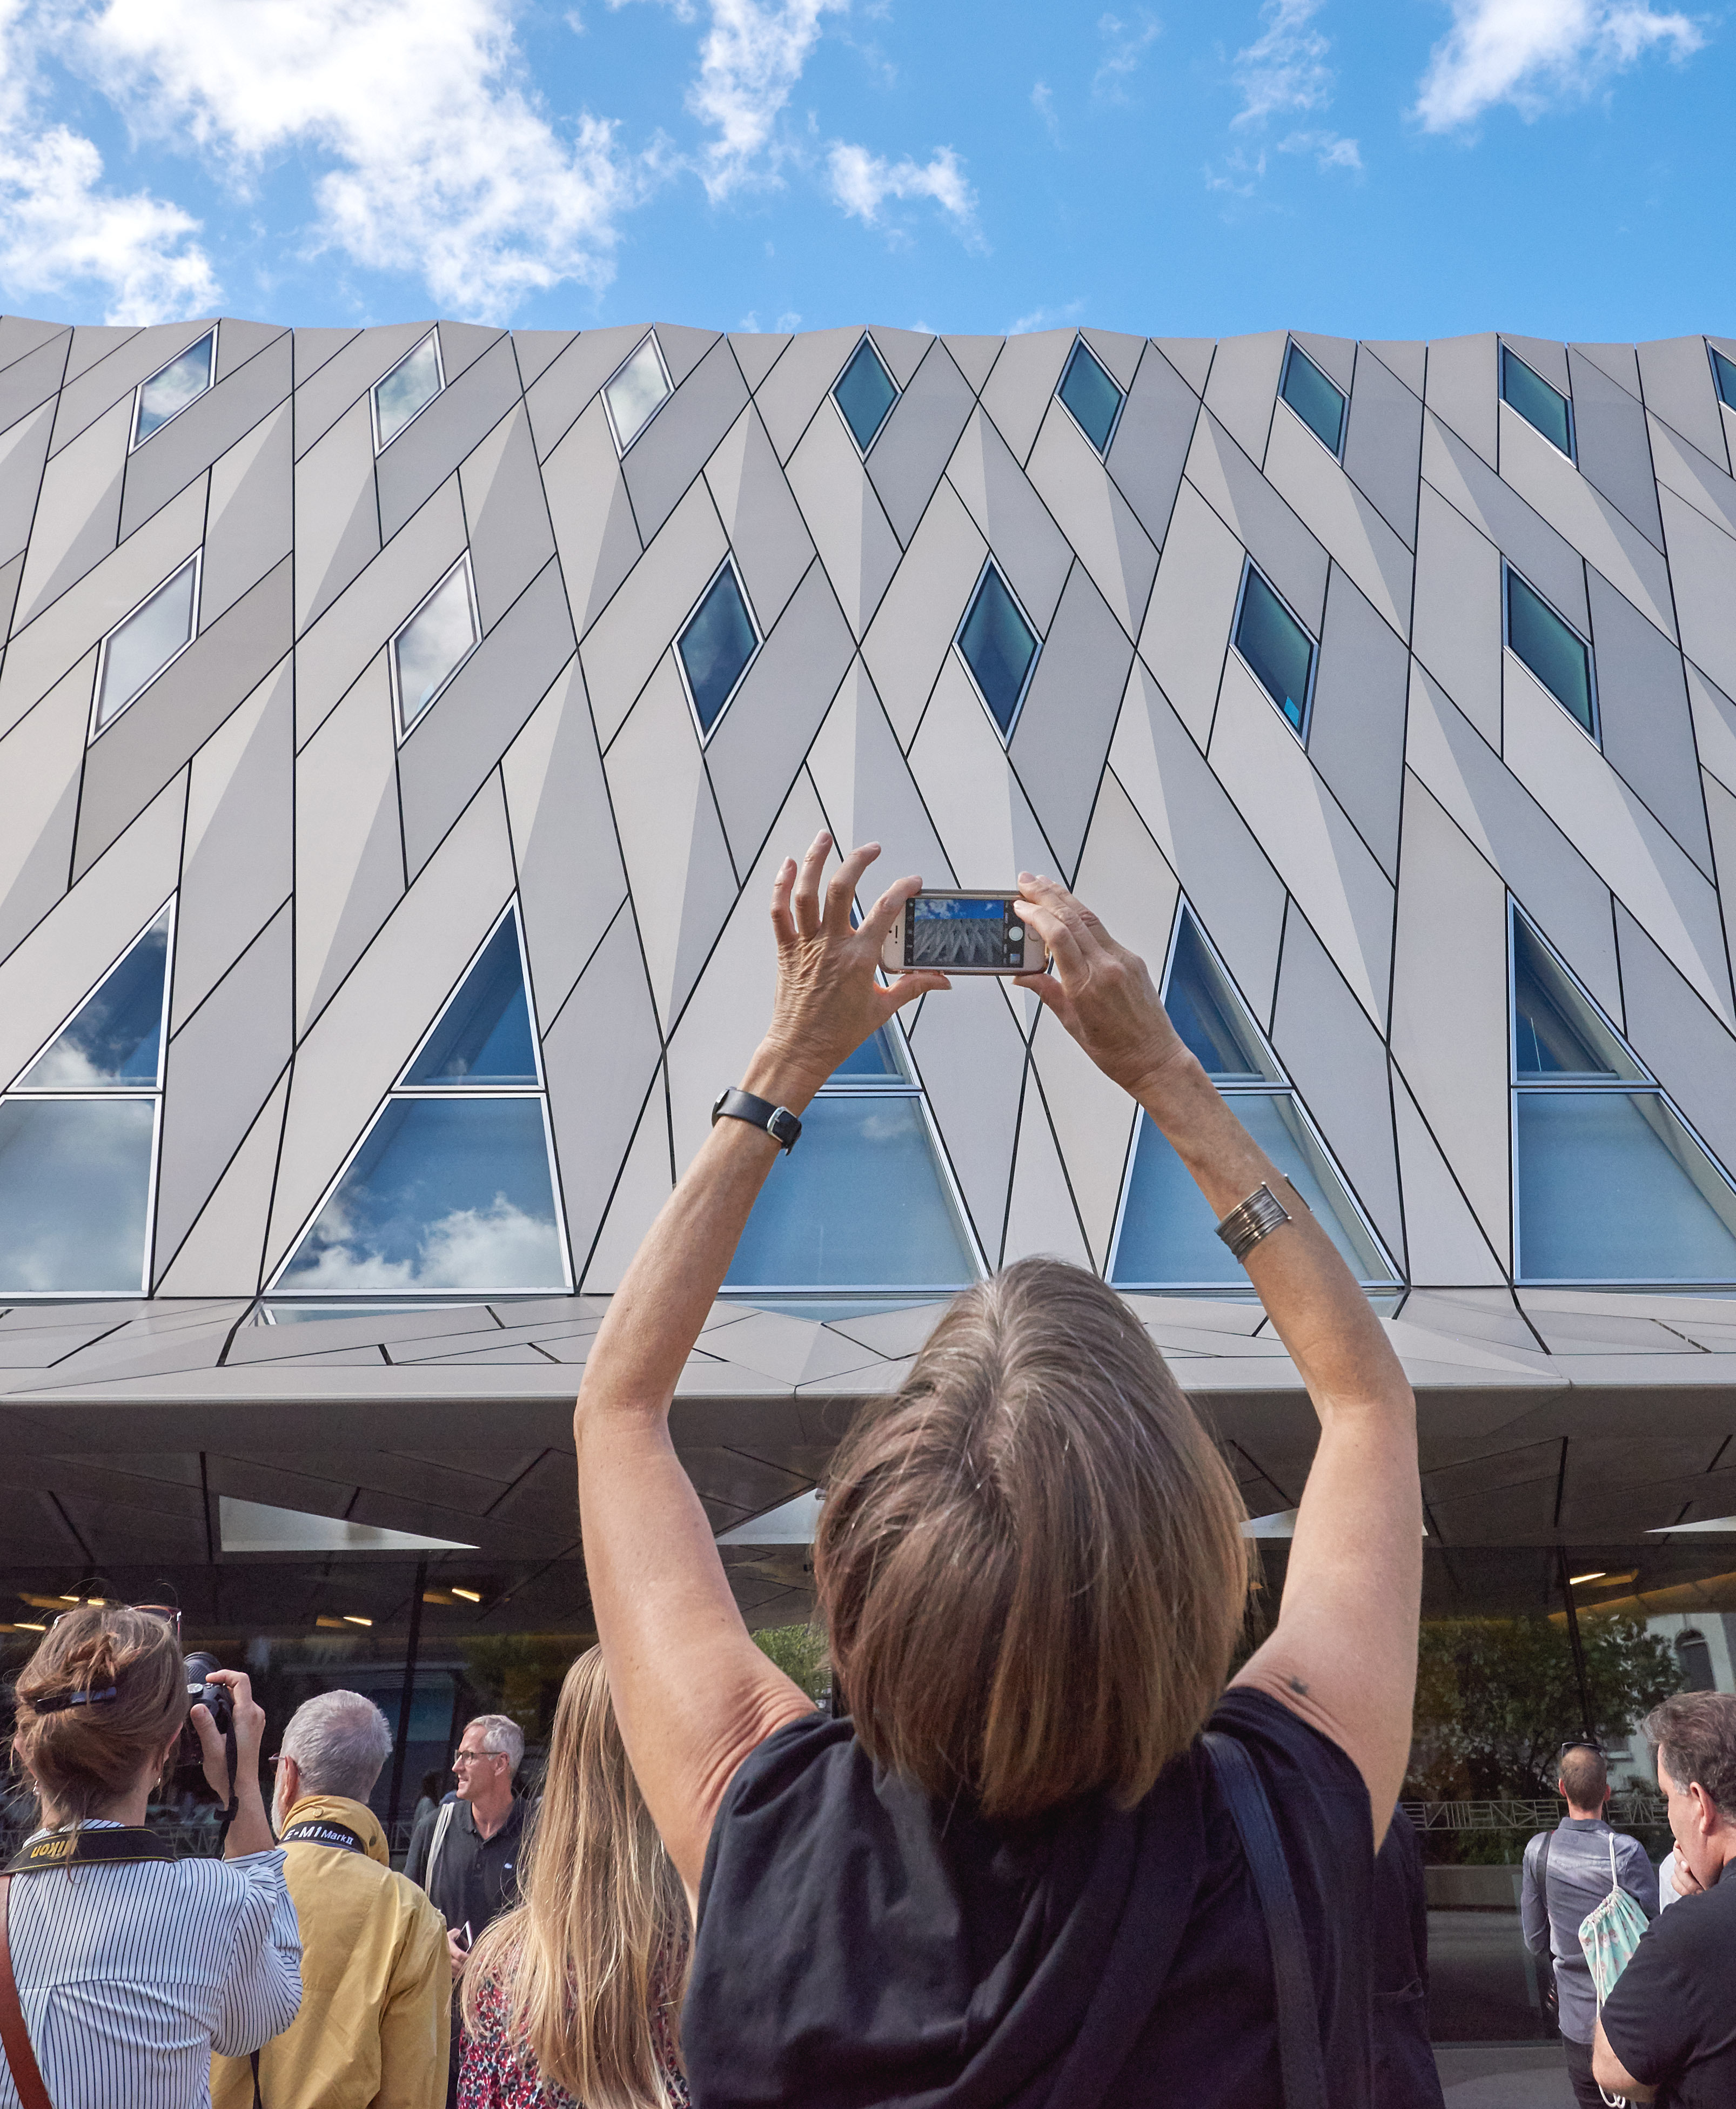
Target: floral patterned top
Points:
(500, 2073)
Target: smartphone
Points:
(964, 933)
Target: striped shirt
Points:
(131, 1976)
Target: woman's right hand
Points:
(249, 1735)
(1099, 990)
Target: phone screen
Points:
(954, 930)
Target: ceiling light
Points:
(1596, 1575)
(436, 1597)
(72, 1600)
(330, 1624)
(355, 1619)
(469, 1595)
(25, 1626)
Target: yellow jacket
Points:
(376, 1979)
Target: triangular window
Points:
(864, 1204)
(1610, 1185)
(453, 1188)
(1166, 1237)
(78, 1137)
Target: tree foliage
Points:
(1497, 1697)
(800, 1652)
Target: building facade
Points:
(399, 729)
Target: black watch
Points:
(778, 1122)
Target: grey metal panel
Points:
(1408, 359)
(339, 382)
(221, 1069)
(1188, 625)
(1692, 476)
(685, 348)
(912, 633)
(169, 459)
(41, 761)
(1243, 387)
(903, 350)
(1619, 362)
(760, 516)
(1690, 1052)
(1463, 388)
(970, 1054)
(24, 449)
(681, 438)
(1338, 1062)
(1095, 518)
(465, 730)
(571, 881)
(463, 344)
(454, 425)
(337, 513)
(632, 634)
(979, 808)
(1609, 431)
(1544, 355)
(537, 350)
(78, 510)
(20, 336)
(797, 385)
(844, 515)
(1552, 564)
(756, 352)
(1120, 352)
(1191, 356)
(250, 515)
(93, 389)
(1676, 376)
(1010, 517)
(11, 572)
(774, 714)
(1150, 448)
(1356, 729)
(867, 790)
(94, 341)
(920, 432)
(973, 356)
(1041, 1214)
(1643, 716)
(508, 520)
(1348, 524)
(1062, 737)
(152, 740)
(1455, 625)
(1383, 443)
(568, 383)
(238, 862)
(1703, 566)
(1262, 521)
(33, 379)
(1018, 392)
(592, 515)
(313, 348)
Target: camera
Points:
(201, 1691)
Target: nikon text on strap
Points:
(321, 1830)
(120, 1846)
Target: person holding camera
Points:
(121, 1968)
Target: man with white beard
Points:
(376, 2005)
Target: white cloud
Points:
(483, 1249)
(1042, 101)
(1044, 319)
(1284, 68)
(861, 183)
(62, 231)
(751, 59)
(440, 160)
(1527, 52)
(1127, 46)
(1329, 150)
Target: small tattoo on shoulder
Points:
(1297, 1686)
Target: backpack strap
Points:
(1299, 2054)
(442, 1824)
(15, 2038)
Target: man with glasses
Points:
(1566, 1873)
(466, 1853)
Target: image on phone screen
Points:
(947, 932)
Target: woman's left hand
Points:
(828, 1000)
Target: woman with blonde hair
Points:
(1040, 1857)
(573, 1996)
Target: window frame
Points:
(651, 338)
(1292, 350)
(989, 563)
(1505, 352)
(1297, 732)
(135, 442)
(898, 395)
(1718, 361)
(1282, 1086)
(196, 560)
(1510, 570)
(405, 727)
(1645, 1085)
(271, 1289)
(728, 564)
(1080, 343)
(380, 446)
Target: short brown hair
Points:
(1585, 1776)
(1030, 1559)
(85, 1757)
(1694, 1735)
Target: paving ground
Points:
(1483, 2017)
(1503, 2076)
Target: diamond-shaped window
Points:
(139, 648)
(999, 647)
(718, 642)
(865, 392)
(1552, 650)
(172, 387)
(636, 392)
(1090, 395)
(1525, 390)
(1318, 402)
(403, 395)
(1278, 650)
(435, 643)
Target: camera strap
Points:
(15, 2038)
(318, 1830)
(122, 1845)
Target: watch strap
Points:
(777, 1122)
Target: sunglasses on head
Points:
(1579, 1743)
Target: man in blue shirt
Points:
(1575, 1874)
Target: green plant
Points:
(801, 1653)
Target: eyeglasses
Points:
(170, 1616)
(472, 1757)
(1579, 1743)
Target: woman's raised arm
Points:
(1343, 1653)
(693, 1694)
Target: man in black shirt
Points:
(465, 1854)
(1667, 2032)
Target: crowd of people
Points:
(1040, 1850)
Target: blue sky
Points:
(1412, 169)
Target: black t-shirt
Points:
(859, 1944)
(475, 1879)
(1672, 2018)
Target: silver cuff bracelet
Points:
(1249, 1220)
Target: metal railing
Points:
(1636, 1811)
